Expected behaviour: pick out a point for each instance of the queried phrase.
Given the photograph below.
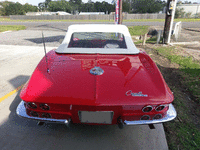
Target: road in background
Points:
(62, 26)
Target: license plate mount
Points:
(100, 117)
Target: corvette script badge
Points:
(139, 94)
(96, 71)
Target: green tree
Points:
(77, 2)
(41, 6)
(126, 6)
(96, 7)
(29, 8)
(75, 5)
(61, 5)
(148, 6)
(179, 13)
(46, 3)
(14, 9)
(3, 6)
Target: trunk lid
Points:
(127, 80)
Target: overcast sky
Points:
(35, 2)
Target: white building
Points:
(62, 13)
(91, 13)
(47, 13)
(193, 8)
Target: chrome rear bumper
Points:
(21, 111)
(171, 114)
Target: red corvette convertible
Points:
(97, 76)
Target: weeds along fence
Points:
(4, 17)
(86, 17)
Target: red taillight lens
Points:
(34, 114)
(160, 107)
(145, 117)
(44, 107)
(46, 115)
(147, 108)
(32, 105)
(158, 116)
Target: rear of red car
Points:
(97, 89)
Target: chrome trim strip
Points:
(21, 112)
(171, 114)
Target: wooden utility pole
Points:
(169, 19)
(120, 12)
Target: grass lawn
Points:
(182, 133)
(9, 20)
(11, 27)
(162, 20)
(150, 40)
(190, 69)
(138, 30)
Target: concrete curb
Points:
(184, 43)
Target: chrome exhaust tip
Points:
(68, 122)
(40, 123)
(121, 124)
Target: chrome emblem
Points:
(139, 94)
(96, 71)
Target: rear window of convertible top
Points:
(97, 40)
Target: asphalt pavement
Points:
(32, 38)
(62, 26)
(20, 52)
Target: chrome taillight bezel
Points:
(31, 104)
(41, 106)
(145, 116)
(157, 115)
(160, 106)
(44, 115)
(146, 107)
(34, 112)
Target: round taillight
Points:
(145, 117)
(44, 107)
(46, 115)
(157, 116)
(32, 105)
(34, 114)
(147, 108)
(160, 107)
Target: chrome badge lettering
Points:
(139, 94)
(96, 71)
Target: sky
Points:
(35, 2)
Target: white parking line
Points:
(6, 31)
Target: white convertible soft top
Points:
(131, 49)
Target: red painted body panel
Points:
(70, 83)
